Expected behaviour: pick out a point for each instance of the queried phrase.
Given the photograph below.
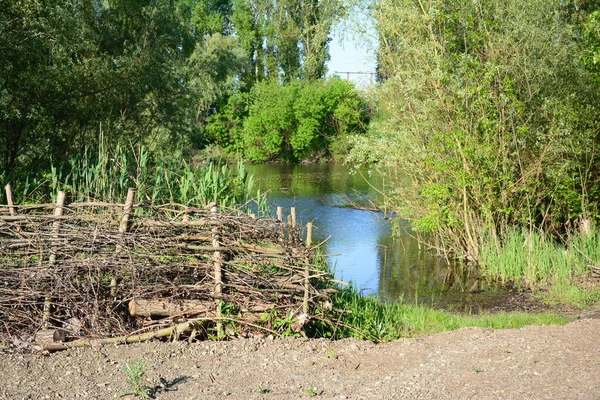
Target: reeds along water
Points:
(107, 174)
(530, 259)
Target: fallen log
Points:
(165, 308)
(161, 333)
(174, 331)
(49, 336)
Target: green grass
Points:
(556, 271)
(368, 318)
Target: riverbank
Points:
(534, 362)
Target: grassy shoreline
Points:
(365, 317)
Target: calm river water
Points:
(393, 267)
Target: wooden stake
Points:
(309, 228)
(46, 314)
(127, 210)
(58, 212)
(217, 265)
(293, 212)
(280, 228)
(9, 200)
(113, 287)
(186, 216)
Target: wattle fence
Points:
(79, 274)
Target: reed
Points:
(533, 260)
(160, 178)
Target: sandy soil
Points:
(536, 362)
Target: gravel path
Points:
(536, 362)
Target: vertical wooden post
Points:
(293, 213)
(290, 230)
(186, 215)
(309, 228)
(217, 266)
(58, 211)
(127, 210)
(46, 313)
(11, 205)
(293, 234)
(123, 227)
(9, 200)
(280, 227)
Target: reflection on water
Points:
(366, 253)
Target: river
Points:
(364, 249)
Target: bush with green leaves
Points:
(489, 116)
(291, 122)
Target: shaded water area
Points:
(364, 249)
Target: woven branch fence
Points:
(90, 273)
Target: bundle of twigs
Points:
(106, 271)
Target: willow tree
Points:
(489, 116)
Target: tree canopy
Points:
(489, 113)
(144, 71)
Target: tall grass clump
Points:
(368, 318)
(159, 178)
(533, 260)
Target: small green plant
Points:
(477, 369)
(282, 324)
(330, 353)
(135, 379)
(263, 390)
(312, 391)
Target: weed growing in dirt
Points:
(135, 379)
(330, 353)
(263, 390)
(477, 369)
(312, 391)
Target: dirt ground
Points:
(535, 362)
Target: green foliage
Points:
(281, 324)
(591, 30)
(135, 379)
(530, 259)
(158, 179)
(143, 72)
(368, 318)
(487, 113)
(312, 391)
(299, 120)
(137, 71)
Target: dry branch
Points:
(167, 266)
